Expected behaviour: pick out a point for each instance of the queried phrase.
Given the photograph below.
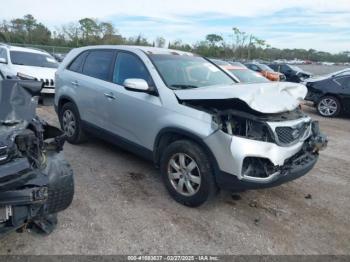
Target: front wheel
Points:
(187, 173)
(328, 106)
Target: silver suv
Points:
(202, 129)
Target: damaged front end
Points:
(255, 149)
(35, 180)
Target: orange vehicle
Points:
(266, 71)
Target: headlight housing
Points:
(244, 127)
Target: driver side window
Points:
(130, 66)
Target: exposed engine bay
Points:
(36, 182)
(286, 130)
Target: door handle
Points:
(109, 95)
(74, 83)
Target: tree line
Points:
(88, 31)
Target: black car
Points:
(330, 93)
(293, 73)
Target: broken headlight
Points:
(244, 127)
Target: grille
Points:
(48, 83)
(288, 135)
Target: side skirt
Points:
(117, 140)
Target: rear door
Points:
(92, 84)
(84, 80)
(344, 91)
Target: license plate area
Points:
(5, 213)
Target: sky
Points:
(319, 24)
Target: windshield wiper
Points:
(178, 86)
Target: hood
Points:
(268, 98)
(36, 72)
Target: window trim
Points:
(110, 73)
(137, 57)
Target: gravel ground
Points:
(121, 207)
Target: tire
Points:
(197, 173)
(328, 106)
(74, 132)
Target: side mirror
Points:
(3, 60)
(137, 85)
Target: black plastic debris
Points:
(36, 182)
(308, 196)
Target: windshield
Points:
(183, 72)
(265, 68)
(32, 59)
(248, 76)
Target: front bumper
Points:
(293, 170)
(247, 164)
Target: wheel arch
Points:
(63, 100)
(170, 134)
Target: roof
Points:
(146, 49)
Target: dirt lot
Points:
(121, 207)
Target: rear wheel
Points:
(328, 106)
(71, 124)
(187, 173)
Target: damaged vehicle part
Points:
(36, 182)
(189, 116)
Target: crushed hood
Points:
(266, 98)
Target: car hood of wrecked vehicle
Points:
(266, 98)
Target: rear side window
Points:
(77, 62)
(98, 64)
(130, 66)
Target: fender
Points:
(182, 133)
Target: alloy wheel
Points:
(69, 123)
(327, 106)
(184, 174)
